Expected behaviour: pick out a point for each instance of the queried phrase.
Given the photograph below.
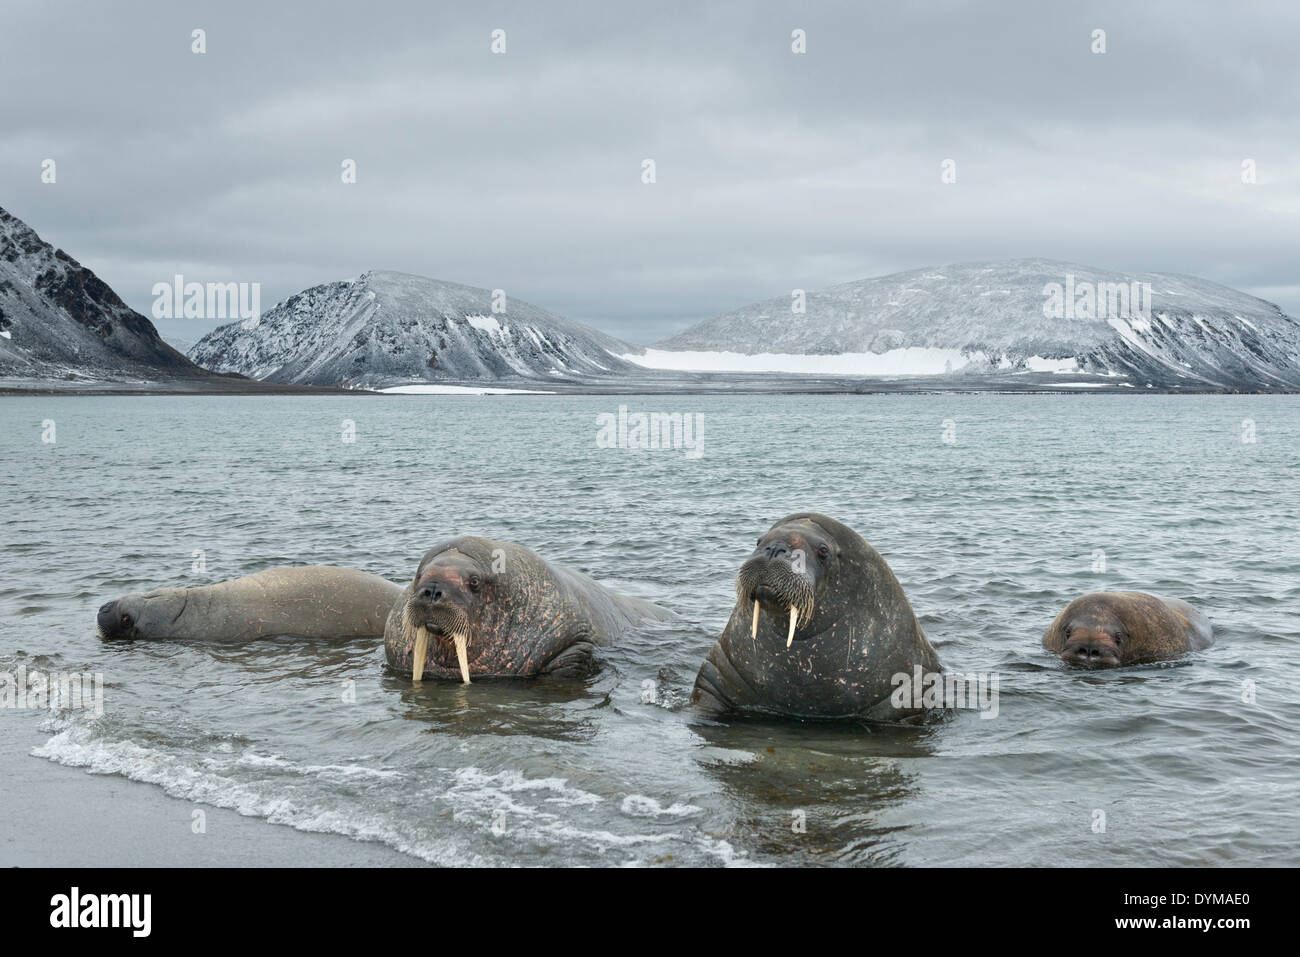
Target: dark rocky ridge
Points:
(58, 320)
(64, 330)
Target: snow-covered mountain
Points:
(1003, 318)
(389, 328)
(59, 321)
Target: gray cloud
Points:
(775, 171)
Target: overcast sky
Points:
(774, 170)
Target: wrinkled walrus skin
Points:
(1110, 629)
(523, 616)
(306, 601)
(855, 630)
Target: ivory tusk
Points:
(462, 655)
(417, 656)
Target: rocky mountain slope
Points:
(59, 321)
(387, 328)
(990, 318)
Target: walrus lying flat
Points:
(486, 608)
(820, 628)
(309, 601)
(1107, 629)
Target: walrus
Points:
(1107, 629)
(475, 607)
(481, 607)
(820, 629)
(308, 601)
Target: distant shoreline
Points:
(715, 385)
(55, 387)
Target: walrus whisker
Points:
(790, 591)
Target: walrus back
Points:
(615, 613)
(307, 601)
(1200, 633)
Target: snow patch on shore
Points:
(1040, 364)
(895, 362)
(457, 390)
(906, 361)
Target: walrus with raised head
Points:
(475, 607)
(820, 629)
(480, 607)
(1107, 629)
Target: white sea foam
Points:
(538, 811)
(180, 776)
(639, 805)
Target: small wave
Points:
(638, 805)
(77, 745)
(475, 782)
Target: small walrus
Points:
(821, 629)
(1107, 629)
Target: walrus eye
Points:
(473, 582)
(1119, 639)
(823, 550)
(126, 620)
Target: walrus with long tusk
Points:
(1108, 629)
(477, 607)
(820, 629)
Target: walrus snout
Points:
(431, 593)
(777, 549)
(439, 607)
(113, 621)
(775, 582)
(770, 579)
(443, 617)
(1091, 653)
